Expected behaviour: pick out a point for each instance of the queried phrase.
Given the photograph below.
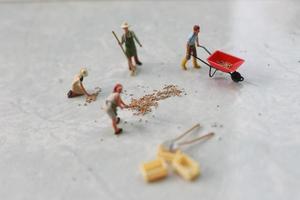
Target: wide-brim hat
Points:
(125, 25)
(83, 72)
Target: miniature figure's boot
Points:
(133, 70)
(72, 94)
(137, 61)
(196, 65)
(130, 66)
(118, 131)
(183, 63)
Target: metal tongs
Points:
(173, 144)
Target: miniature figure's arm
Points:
(125, 105)
(187, 46)
(136, 39)
(84, 91)
(197, 40)
(120, 103)
(189, 40)
(122, 39)
(187, 43)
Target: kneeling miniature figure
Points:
(112, 102)
(77, 86)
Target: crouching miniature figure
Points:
(77, 86)
(191, 48)
(112, 102)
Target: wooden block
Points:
(185, 166)
(154, 170)
(165, 154)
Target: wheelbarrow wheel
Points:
(236, 76)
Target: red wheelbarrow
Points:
(223, 62)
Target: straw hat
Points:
(83, 72)
(125, 25)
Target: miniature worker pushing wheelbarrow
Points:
(216, 61)
(193, 40)
(130, 51)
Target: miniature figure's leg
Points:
(114, 124)
(129, 64)
(72, 94)
(183, 63)
(186, 58)
(194, 52)
(188, 53)
(132, 66)
(137, 61)
(195, 63)
(112, 113)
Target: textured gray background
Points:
(51, 148)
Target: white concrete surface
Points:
(53, 149)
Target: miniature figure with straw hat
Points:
(78, 88)
(130, 49)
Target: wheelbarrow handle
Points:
(203, 47)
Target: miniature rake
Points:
(174, 144)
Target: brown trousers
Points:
(190, 50)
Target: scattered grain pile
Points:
(144, 104)
(225, 64)
(93, 96)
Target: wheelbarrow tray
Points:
(219, 56)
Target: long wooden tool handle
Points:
(207, 136)
(183, 134)
(119, 43)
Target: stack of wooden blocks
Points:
(182, 164)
